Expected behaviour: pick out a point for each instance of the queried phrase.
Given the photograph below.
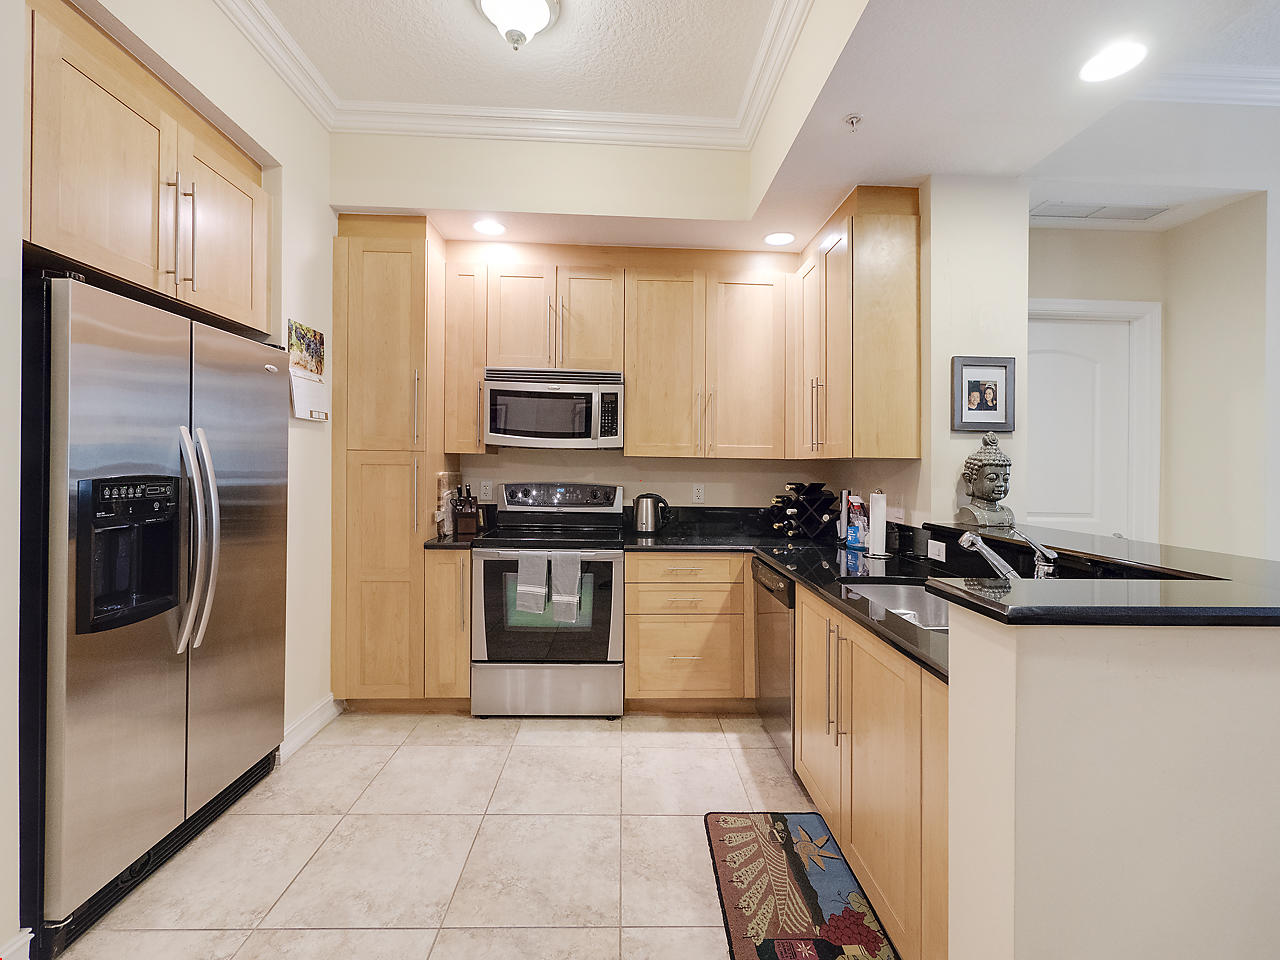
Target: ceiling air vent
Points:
(1063, 210)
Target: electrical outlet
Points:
(938, 550)
(896, 515)
(699, 493)
(486, 490)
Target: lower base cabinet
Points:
(448, 624)
(871, 748)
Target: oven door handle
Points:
(482, 554)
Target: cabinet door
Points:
(882, 711)
(448, 624)
(223, 251)
(835, 428)
(386, 344)
(665, 350)
(384, 641)
(683, 656)
(817, 755)
(933, 818)
(589, 311)
(521, 316)
(746, 367)
(465, 338)
(103, 165)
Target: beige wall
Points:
(11, 109)
(973, 300)
(198, 41)
(1213, 460)
(1096, 265)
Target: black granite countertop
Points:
(449, 543)
(1146, 584)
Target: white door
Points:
(1078, 475)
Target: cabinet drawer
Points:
(671, 598)
(684, 568)
(695, 656)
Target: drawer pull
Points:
(684, 599)
(683, 569)
(684, 658)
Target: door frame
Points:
(1146, 359)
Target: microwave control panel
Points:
(608, 415)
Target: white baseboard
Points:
(301, 730)
(17, 947)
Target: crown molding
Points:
(270, 38)
(1217, 83)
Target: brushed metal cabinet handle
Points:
(560, 336)
(416, 377)
(683, 569)
(828, 675)
(551, 334)
(697, 423)
(415, 494)
(818, 426)
(711, 443)
(684, 658)
(192, 194)
(176, 183)
(684, 599)
(462, 596)
(839, 720)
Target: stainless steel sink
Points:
(909, 601)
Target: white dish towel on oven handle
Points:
(566, 576)
(531, 581)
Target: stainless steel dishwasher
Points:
(775, 655)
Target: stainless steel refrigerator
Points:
(165, 664)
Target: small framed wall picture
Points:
(982, 390)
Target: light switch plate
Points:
(699, 493)
(486, 490)
(938, 551)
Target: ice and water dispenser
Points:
(127, 550)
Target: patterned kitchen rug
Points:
(786, 892)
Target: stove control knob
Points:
(596, 495)
(526, 494)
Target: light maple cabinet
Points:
(817, 753)
(746, 376)
(383, 649)
(807, 327)
(879, 708)
(689, 634)
(448, 623)
(589, 320)
(223, 256)
(385, 343)
(666, 322)
(521, 315)
(127, 179)
(465, 349)
(933, 818)
(103, 163)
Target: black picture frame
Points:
(995, 374)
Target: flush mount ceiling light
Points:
(491, 228)
(1113, 60)
(779, 239)
(518, 21)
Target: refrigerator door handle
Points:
(215, 539)
(197, 581)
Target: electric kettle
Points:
(652, 512)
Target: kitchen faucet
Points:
(1045, 557)
(971, 541)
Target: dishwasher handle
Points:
(778, 585)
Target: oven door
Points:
(541, 414)
(502, 634)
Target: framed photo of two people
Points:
(982, 394)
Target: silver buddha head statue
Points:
(986, 481)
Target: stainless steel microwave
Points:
(576, 409)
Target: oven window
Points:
(515, 636)
(530, 413)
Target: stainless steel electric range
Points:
(531, 662)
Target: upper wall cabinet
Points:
(521, 315)
(465, 345)
(746, 366)
(666, 323)
(224, 254)
(589, 318)
(386, 344)
(128, 179)
(103, 164)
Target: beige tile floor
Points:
(406, 837)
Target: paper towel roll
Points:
(876, 535)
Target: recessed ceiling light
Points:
(490, 227)
(779, 239)
(1113, 60)
(520, 20)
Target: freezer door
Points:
(116, 708)
(240, 417)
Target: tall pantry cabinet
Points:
(387, 448)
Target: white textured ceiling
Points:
(1253, 40)
(644, 57)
